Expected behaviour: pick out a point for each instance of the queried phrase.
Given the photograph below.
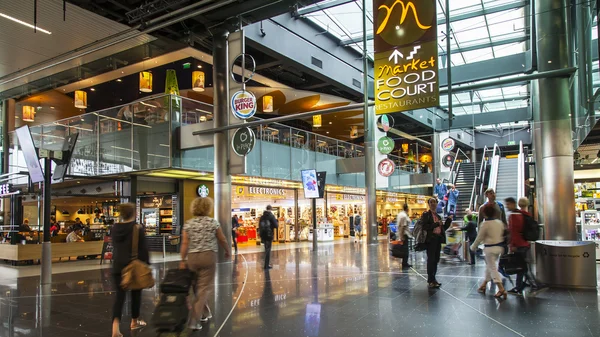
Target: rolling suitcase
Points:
(177, 281)
(171, 314)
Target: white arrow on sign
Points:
(395, 54)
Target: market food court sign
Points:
(406, 55)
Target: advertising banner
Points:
(406, 55)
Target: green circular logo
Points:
(385, 145)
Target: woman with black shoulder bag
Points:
(130, 267)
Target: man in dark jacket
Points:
(234, 227)
(267, 226)
(470, 230)
(122, 240)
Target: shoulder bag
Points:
(137, 275)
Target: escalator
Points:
(506, 184)
(465, 179)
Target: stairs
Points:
(464, 184)
(506, 185)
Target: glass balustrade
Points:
(145, 135)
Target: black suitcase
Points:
(177, 281)
(399, 251)
(171, 314)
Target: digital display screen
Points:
(309, 184)
(30, 154)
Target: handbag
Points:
(512, 264)
(398, 250)
(137, 275)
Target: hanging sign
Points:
(385, 145)
(243, 141)
(448, 144)
(386, 167)
(385, 123)
(406, 55)
(243, 104)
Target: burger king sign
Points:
(243, 104)
(448, 144)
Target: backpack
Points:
(531, 230)
(420, 235)
(264, 228)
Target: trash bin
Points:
(569, 264)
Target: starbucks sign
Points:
(385, 145)
(203, 191)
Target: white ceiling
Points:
(20, 47)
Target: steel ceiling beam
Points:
(466, 16)
(488, 45)
(318, 7)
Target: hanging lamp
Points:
(28, 113)
(80, 99)
(317, 121)
(145, 81)
(198, 81)
(268, 103)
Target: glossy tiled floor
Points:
(344, 290)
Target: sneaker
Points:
(195, 327)
(207, 317)
(516, 292)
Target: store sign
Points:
(349, 197)
(447, 160)
(243, 141)
(385, 145)
(243, 104)
(386, 167)
(203, 191)
(266, 191)
(406, 55)
(448, 144)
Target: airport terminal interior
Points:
(432, 168)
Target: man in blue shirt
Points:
(440, 190)
(452, 199)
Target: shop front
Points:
(159, 216)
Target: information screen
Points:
(31, 158)
(309, 184)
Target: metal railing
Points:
(521, 172)
(454, 173)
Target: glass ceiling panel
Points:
(474, 39)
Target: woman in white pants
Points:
(491, 234)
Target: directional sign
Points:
(406, 55)
(385, 145)
(243, 141)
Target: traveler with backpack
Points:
(492, 235)
(358, 227)
(523, 228)
(201, 237)
(123, 243)
(435, 237)
(499, 212)
(266, 227)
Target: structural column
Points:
(552, 125)
(221, 118)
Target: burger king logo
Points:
(243, 104)
(448, 144)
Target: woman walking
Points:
(492, 235)
(199, 247)
(122, 238)
(436, 236)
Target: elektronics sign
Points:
(406, 55)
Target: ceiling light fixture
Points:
(145, 81)
(28, 113)
(24, 23)
(119, 80)
(93, 89)
(268, 103)
(80, 99)
(198, 81)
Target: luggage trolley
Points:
(452, 251)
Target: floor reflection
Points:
(340, 290)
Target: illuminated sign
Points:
(203, 191)
(243, 104)
(406, 55)
(386, 167)
(266, 191)
(448, 144)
